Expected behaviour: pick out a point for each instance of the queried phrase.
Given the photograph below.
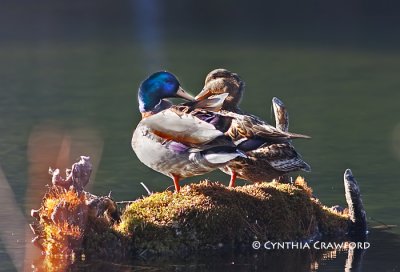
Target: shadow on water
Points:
(380, 255)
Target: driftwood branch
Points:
(357, 214)
(78, 176)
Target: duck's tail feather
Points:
(293, 164)
(306, 167)
(297, 135)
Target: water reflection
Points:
(148, 26)
(345, 259)
(14, 231)
(354, 260)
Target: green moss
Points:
(107, 244)
(331, 223)
(210, 215)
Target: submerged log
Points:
(206, 215)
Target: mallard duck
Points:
(267, 157)
(179, 141)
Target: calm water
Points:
(60, 98)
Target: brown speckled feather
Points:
(267, 163)
(249, 126)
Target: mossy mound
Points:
(210, 215)
(206, 215)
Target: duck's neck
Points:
(162, 105)
(148, 99)
(147, 104)
(231, 104)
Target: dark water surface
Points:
(379, 257)
(64, 94)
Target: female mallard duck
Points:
(178, 141)
(267, 158)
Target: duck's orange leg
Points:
(176, 182)
(233, 179)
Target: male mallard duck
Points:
(267, 158)
(178, 141)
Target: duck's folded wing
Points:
(247, 126)
(282, 157)
(182, 127)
